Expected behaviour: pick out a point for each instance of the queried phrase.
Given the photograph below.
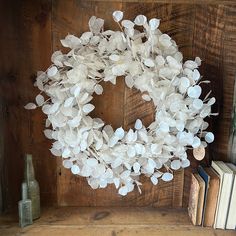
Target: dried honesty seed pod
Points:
(199, 153)
(117, 16)
(150, 62)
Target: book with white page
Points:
(231, 219)
(226, 180)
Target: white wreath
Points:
(150, 62)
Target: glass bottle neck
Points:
(24, 192)
(29, 168)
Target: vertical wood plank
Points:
(208, 45)
(2, 159)
(228, 73)
(25, 48)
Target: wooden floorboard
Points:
(97, 221)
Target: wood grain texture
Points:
(2, 159)
(33, 29)
(110, 222)
(25, 48)
(76, 192)
(208, 44)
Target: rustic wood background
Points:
(31, 31)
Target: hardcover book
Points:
(231, 219)
(226, 180)
(211, 198)
(196, 199)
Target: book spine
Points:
(231, 219)
(224, 201)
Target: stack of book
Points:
(212, 200)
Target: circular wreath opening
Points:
(149, 61)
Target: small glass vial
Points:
(33, 186)
(25, 208)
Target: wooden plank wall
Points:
(32, 30)
(25, 48)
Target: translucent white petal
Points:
(198, 61)
(185, 163)
(129, 81)
(180, 125)
(131, 151)
(156, 148)
(184, 82)
(209, 137)
(66, 153)
(67, 164)
(75, 169)
(48, 133)
(195, 91)
(143, 136)
(77, 91)
(196, 142)
(167, 177)
(139, 148)
(92, 162)
(113, 141)
(175, 164)
(39, 100)
(119, 133)
(123, 191)
(117, 16)
(136, 167)
(52, 71)
(164, 127)
(124, 175)
(130, 136)
(56, 149)
(103, 183)
(206, 111)
(68, 102)
(30, 106)
(114, 57)
(151, 163)
(127, 24)
(160, 60)
(191, 65)
(197, 103)
(211, 101)
(76, 150)
(98, 89)
(116, 181)
(88, 108)
(119, 70)
(146, 97)
(154, 180)
(140, 20)
(196, 75)
(149, 62)
(165, 40)
(138, 124)
(154, 23)
(83, 145)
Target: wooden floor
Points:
(73, 221)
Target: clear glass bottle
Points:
(25, 208)
(33, 186)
